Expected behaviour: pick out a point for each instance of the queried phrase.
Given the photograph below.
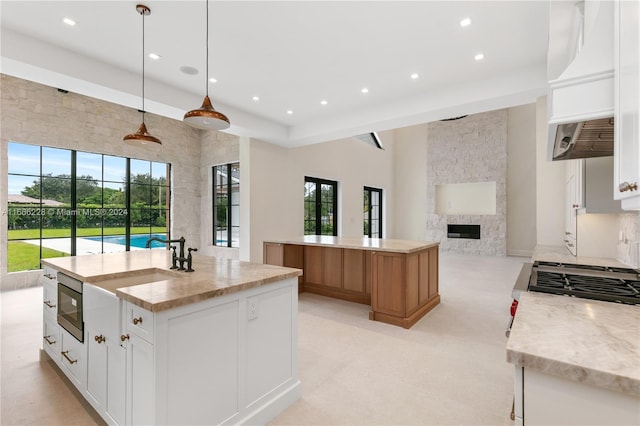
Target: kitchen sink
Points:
(133, 278)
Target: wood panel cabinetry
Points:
(405, 286)
(400, 287)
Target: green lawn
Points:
(27, 234)
(25, 256)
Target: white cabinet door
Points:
(116, 382)
(627, 111)
(50, 299)
(97, 353)
(51, 339)
(140, 381)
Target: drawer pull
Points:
(124, 337)
(49, 304)
(137, 321)
(71, 361)
(626, 186)
(100, 339)
(51, 277)
(49, 341)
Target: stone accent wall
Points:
(629, 244)
(36, 114)
(472, 149)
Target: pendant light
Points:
(142, 136)
(206, 117)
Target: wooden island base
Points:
(397, 278)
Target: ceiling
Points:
(292, 55)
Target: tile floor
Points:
(449, 368)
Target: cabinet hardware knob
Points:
(49, 341)
(124, 337)
(100, 339)
(575, 206)
(626, 186)
(49, 304)
(71, 361)
(137, 321)
(51, 277)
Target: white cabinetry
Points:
(228, 359)
(106, 368)
(50, 327)
(573, 201)
(627, 104)
(551, 400)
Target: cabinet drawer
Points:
(50, 274)
(140, 322)
(51, 339)
(50, 299)
(72, 359)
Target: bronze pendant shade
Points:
(142, 135)
(206, 117)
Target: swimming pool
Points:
(136, 240)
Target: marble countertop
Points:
(212, 277)
(379, 244)
(561, 254)
(592, 342)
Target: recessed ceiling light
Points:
(365, 90)
(465, 22)
(289, 112)
(154, 56)
(70, 22)
(479, 57)
(189, 70)
(323, 102)
(255, 98)
(414, 76)
(213, 80)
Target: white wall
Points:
(410, 163)
(550, 188)
(521, 180)
(277, 186)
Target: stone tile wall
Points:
(629, 239)
(472, 149)
(35, 114)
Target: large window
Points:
(226, 205)
(64, 203)
(320, 206)
(372, 212)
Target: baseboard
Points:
(520, 253)
(271, 409)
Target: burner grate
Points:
(585, 286)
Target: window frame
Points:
(318, 204)
(368, 206)
(228, 169)
(74, 209)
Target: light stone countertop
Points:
(379, 244)
(561, 254)
(588, 341)
(212, 277)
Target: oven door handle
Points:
(507, 332)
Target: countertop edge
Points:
(576, 373)
(428, 245)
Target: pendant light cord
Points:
(206, 80)
(143, 110)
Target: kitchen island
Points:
(397, 278)
(213, 346)
(577, 361)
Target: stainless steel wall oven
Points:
(70, 305)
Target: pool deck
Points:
(83, 246)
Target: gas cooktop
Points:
(611, 284)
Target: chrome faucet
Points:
(179, 258)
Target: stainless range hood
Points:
(584, 139)
(580, 102)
